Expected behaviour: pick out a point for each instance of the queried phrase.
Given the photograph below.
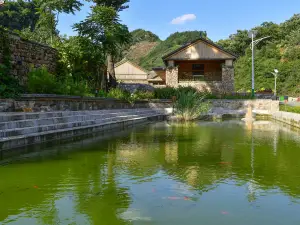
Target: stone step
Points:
(66, 119)
(37, 129)
(6, 117)
(34, 138)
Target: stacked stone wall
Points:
(172, 77)
(25, 54)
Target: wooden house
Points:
(128, 72)
(201, 64)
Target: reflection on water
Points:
(216, 173)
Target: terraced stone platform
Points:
(21, 129)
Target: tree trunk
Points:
(104, 81)
(111, 72)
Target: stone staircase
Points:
(21, 129)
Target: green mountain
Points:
(143, 42)
(174, 41)
(141, 35)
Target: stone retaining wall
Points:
(25, 54)
(292, 119)
(48, 103)
(258, 105)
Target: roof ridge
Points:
(195, 41)
(124, 60)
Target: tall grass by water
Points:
(190, 105)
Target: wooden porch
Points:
(199, 70)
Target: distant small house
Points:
(201, 64)
(128, 72)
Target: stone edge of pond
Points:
(37, 138)
(289, 118)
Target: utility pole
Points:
(253, 84)
(252, 34)
(275, 73)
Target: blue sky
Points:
(219, 18)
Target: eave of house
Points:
(209, 43)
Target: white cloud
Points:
(183, 19)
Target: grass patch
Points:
(288, 108)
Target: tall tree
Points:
(39, 23)
(49, 11)
(17, 15)
(103, 27)
(118, 6)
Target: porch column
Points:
(172, 75)
(228, 77)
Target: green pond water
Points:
(204, 173)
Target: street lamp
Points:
(275, 73)
(252, 34)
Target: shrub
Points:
(169, 92)
(101, 93)
(9, 86)
(288, 108)
(71, 87)
(118, 93)
(144, 94)
(41, 81)
(181, 89)
(190, 105)
(165, 93)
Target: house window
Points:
(198, 72)
(198, 66)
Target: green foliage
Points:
(59, 6)
(288, 108)
(140, 35)
(118, 93)
(143, 94)
(281, 51)
(9, 86)
(118, 5)
(165, 93)
(41, 81)
(124, 95)
(71, 87)
(18, 15)
(36, 20)
(190, 105)
(170, 92)
(174, 41)
(80, 57)
(102, 94)
(103, 27)
(237, 43)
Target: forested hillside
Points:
(174, 41)
(141, 35)
(281, 51)
(143, 43)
